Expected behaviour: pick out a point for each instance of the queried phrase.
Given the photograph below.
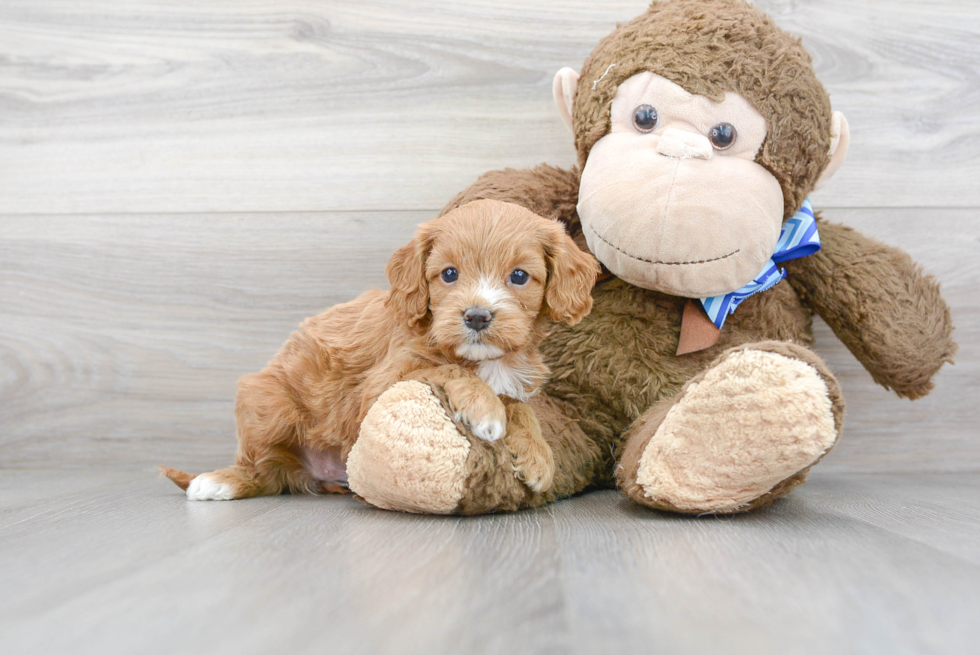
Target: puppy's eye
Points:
(449, 275)
(722, 136)
(519, 277)
(645, 118)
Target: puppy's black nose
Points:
(477, 318)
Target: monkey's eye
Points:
(449, 275)
(645, 118)
(722, 136)
(519, 277)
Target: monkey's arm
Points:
(544, 189)
(878, 301)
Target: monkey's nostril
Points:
(681, 144)
(477, 318)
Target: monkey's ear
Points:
(563, 88)
(571, 276)
(409, 293)
(840, 139)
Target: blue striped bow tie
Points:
(798, 238)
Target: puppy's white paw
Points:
(477, 407)
(488, 430)
(204, 488)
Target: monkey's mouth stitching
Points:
(651, 261)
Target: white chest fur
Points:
(513, 379)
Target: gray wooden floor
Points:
(95, 562)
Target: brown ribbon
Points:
(697, 330)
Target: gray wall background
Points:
(182, 182)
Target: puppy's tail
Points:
(179, 478)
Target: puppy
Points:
(470, 300)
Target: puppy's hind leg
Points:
(266, 463)
(230, 483)
(270, 425)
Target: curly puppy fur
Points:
(299, 417)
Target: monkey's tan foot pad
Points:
(409, 455)
(747, 424)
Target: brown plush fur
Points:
(878, 301)
(309, 402)
(615, 375)
(619, 362)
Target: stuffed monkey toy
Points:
(701, 130)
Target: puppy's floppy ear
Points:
(571, 276)
(409, 293)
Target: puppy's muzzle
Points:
(477, 318)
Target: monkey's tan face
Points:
(672, 199)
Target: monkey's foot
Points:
(740, 434)
(411, 456)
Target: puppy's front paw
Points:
(476, 406)
(534, 462)
(487, 423)
(488, 431)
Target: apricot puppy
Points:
(470, 301)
